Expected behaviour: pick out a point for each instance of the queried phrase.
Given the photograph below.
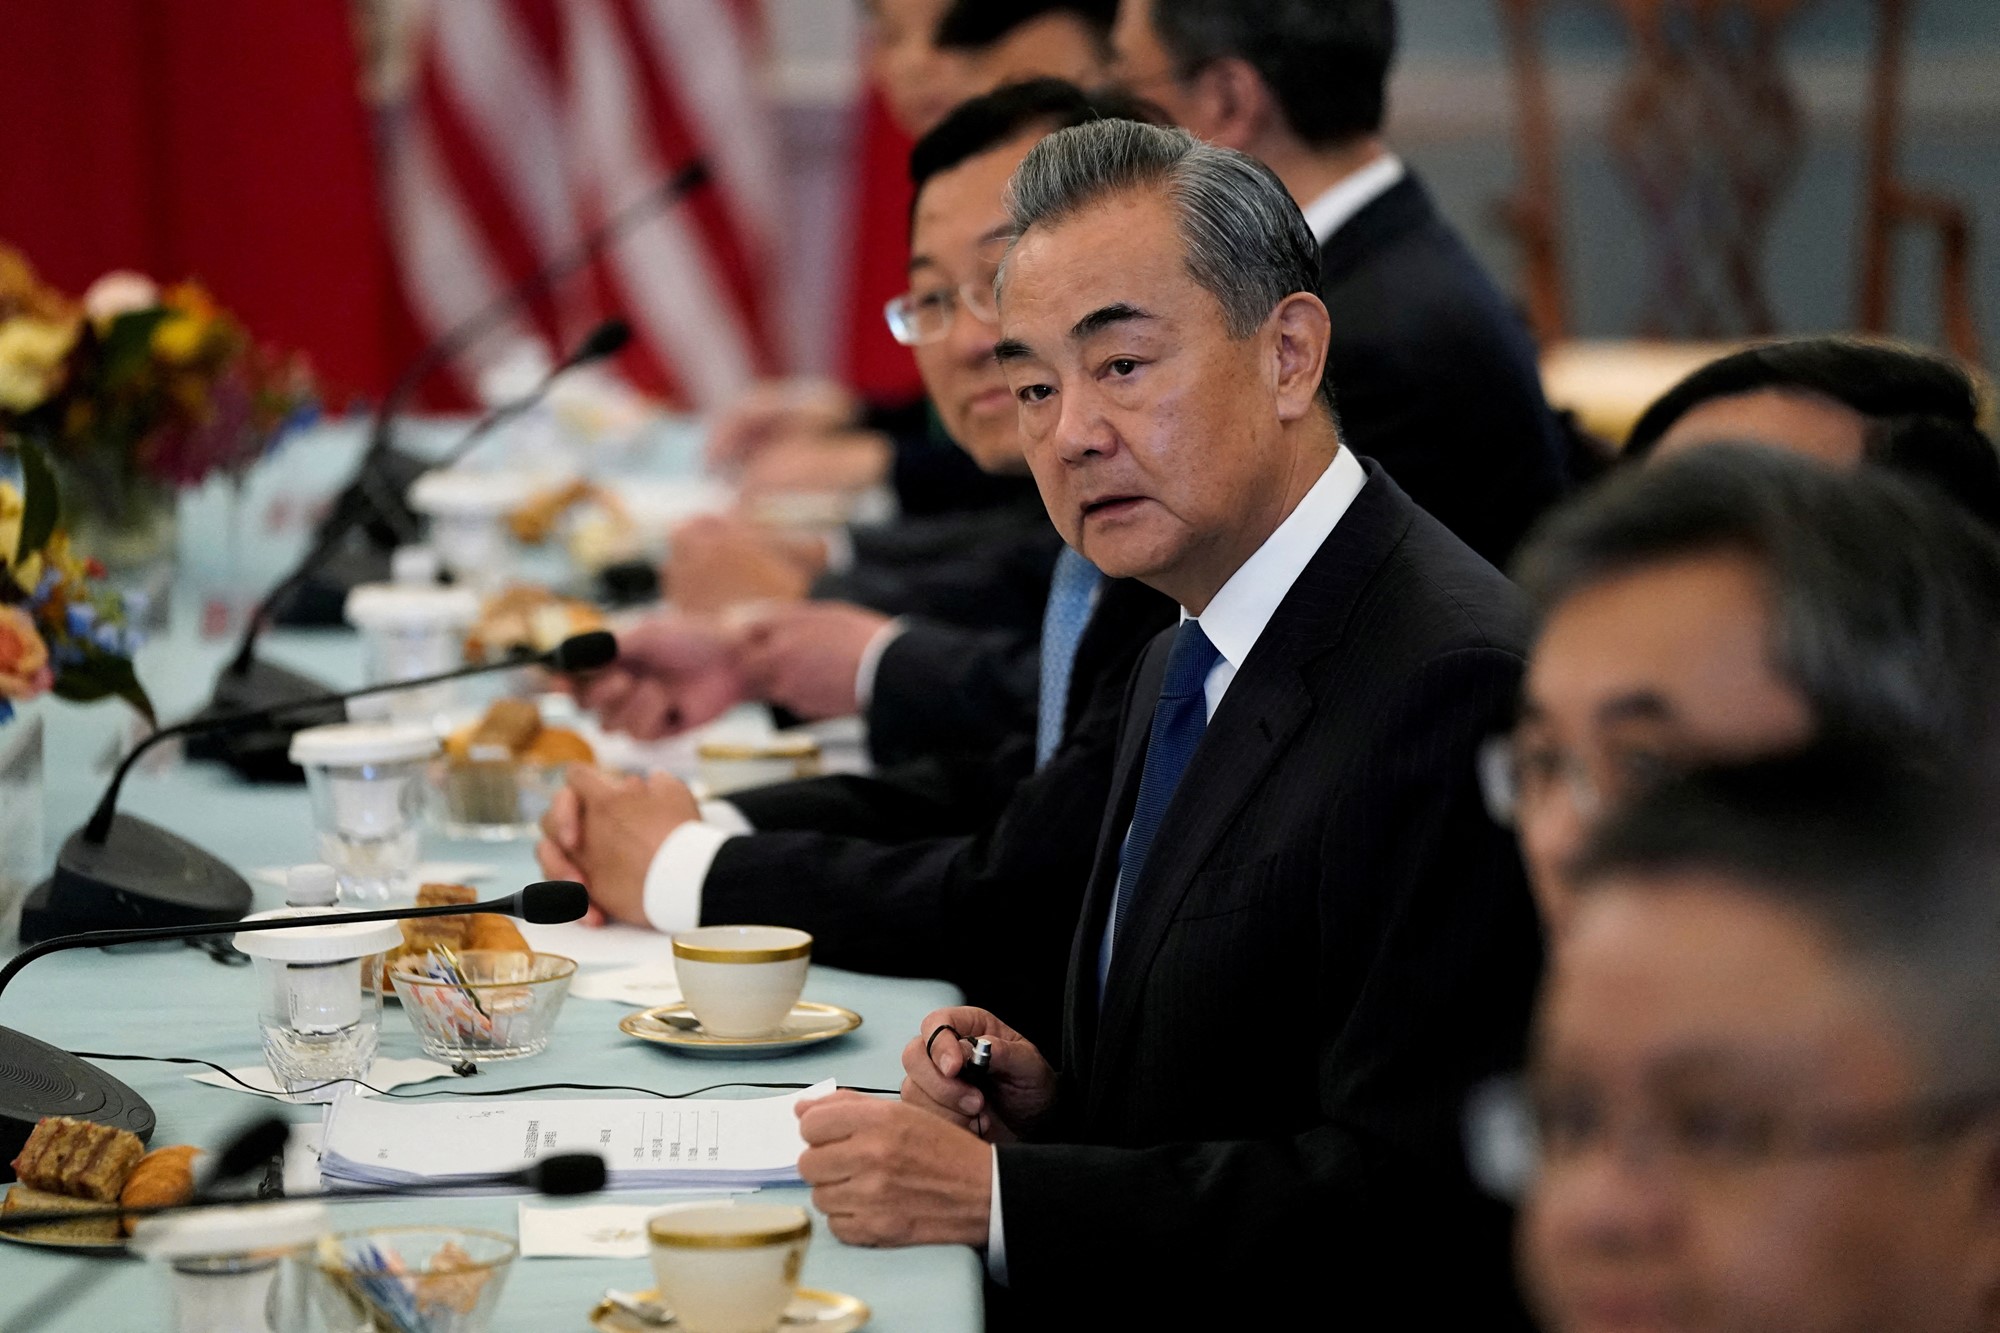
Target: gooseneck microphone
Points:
(120, 870)
(546, 902)
(37, 1079)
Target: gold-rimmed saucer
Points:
(674, 1026)
(819, 1311)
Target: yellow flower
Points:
(178, 338)
(12, 506)
(31, 358)
(24, 658)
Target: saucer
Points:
(820, 1311)
(806, 1025)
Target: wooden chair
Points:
(1707, 129)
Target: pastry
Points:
(87, 1231)
(482, 780)
(524, 616)
(78, 1158)
(487, 931)
(163, 1177)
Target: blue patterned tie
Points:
(1071, 592)
(1179, 718)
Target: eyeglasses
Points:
(1516, 776)
(1516, 1133)
(916, 318)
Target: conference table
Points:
(177, 1001)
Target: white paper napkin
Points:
(593, 1231)
(600, 946)
(644, 986)
(430, 872)
(383, 1074)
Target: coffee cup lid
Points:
(407, 606)
(331, 942)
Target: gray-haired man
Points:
(1303, 941)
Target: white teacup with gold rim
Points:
(741, 981)
(729, 1268)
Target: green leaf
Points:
(128, 343)
(40, 504)
(102, 676)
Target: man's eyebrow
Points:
(921, 261)
(1011, 349)
(1104, 317)
(1638, 704)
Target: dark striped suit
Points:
(1330, 945)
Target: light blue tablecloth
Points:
(175, 1001)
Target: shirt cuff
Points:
(996, 1234)
(725, 816)
(677, 872)
(871, 662)
(839, 550)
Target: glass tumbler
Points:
(366, 781)
(320, 1022)
(409, 632)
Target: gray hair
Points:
(1885, 601)
(1245, 241)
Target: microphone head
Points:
(607, 339)
(566, 1173)
(552, 901)
(251, 1150)
(584, 652)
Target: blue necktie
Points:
(1179, 718)
(1071, 592)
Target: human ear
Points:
(1299, 330)
(1233, 104)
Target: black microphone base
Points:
(261, 754)
(37, 1079)
(140, 876)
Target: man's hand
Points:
(672, 673)
(806, 656)
(603, 830)
(1023, 1084)
(847, 462)
(887, 1175)
(718, 561)
(772, 408)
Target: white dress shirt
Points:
(1350, 194)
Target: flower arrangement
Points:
(61, 628)
(135, 383)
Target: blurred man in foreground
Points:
(1434, 374)
(1733, 602)
(1765, 1093)
(1294, 877)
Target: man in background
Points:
(1765, 1092)
(1434, 374)
(1731, 602)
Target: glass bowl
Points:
(493, 800)
(480, 1005)
(407, 1279)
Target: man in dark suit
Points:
(1435, 375)
(1303, 941)
(888, 870)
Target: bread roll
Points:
(495, 933)
(163, 1176)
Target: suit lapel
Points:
(1269, 701)
(1401, 208)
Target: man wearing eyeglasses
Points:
(1765, 1090)
(1733, 602)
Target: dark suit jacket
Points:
(993, 913)
(986, 569)
(1330, 946)
(1434, 376)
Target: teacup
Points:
(741, 981)
(729, 1268)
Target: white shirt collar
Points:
(1236, 615)
(1350, 194)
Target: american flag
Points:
(515, 127)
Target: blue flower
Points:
(82, 619)
(6, 710)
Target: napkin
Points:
(383, 1074)
(646, 985)
(600, 946)
(592, 1231)
(430, 872)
